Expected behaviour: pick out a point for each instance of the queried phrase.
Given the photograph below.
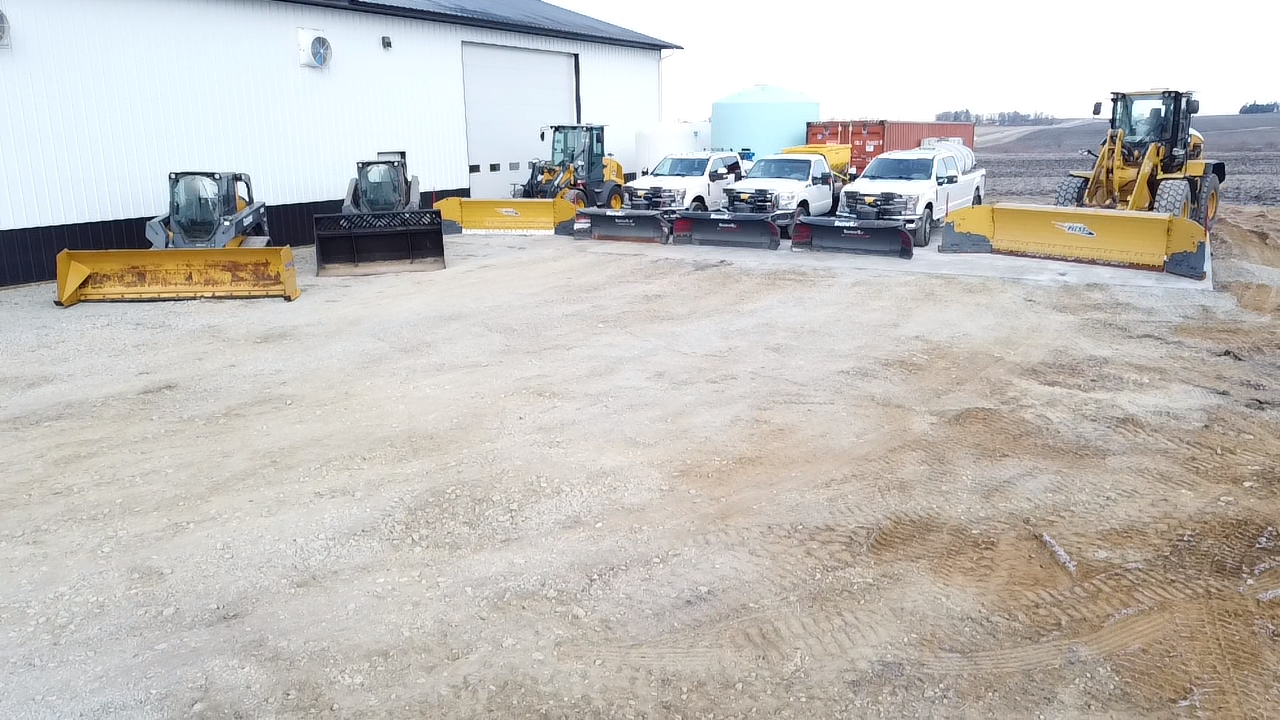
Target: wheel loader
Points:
(382, 226)
(579, 175)
(1149, 201)
(212, 243)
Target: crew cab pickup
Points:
(919, 187)
(788, 186)
(685, 181)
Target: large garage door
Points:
(510, 93)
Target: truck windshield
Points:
(681, 167)
(783, 168)
(883, 168)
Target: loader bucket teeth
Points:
(175, 274)
(862, 237)
(377, 242)
(745, 230)
(1143, 240)
(522, 216)
(647, 226)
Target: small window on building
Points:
(495, 167)
(475, 169)
(514, 166)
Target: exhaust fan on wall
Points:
(314, 49)
(4, 30)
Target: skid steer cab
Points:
(1148, 202)
(579, 170)
(210, 210)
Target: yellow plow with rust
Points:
(175, 274)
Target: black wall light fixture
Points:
(386, 42)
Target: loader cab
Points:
(381, 186)
(1162, 117)
(579, 146)
(199, 201)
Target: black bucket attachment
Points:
(378, 242)
(646, 226)
(747, 230)
(864, 237)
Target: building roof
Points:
(530, 17)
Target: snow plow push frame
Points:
(627, 225)
(726, 229)
(853, 235)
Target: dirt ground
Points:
(575, 479)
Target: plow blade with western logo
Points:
(863, 237)
(175, 274)
(646, 226)
(522, 216)
(1143, 240)
(746, 230)
(377, 242)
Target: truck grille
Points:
(649, 198)
(875, 207)
(754, 201)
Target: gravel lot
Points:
(571, 479)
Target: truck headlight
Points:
(911, 202)
(844, 203)
(676, 196)
(786, 201)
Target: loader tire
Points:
(1206, 212)
(1071, 192)
(613, 200)
(1173, 197)
(924, 233)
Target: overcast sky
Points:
(907, 61)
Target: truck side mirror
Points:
(942, 180)
(1097, 109)
(644, 171)
(1193, 107)
(542, 136)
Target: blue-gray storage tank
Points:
(763, 118)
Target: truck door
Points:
(825, 184)
(715, 188)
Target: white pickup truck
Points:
(918, 186)
(788, 186)
(685, 181)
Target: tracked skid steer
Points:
(213, 242)
(580, 176)
(1148, 203)
(382, 227)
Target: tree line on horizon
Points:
(1000, 118)
(1254, 108)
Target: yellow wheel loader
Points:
(382, 226)
(1148, 202)
(211, 243)
(579, 175)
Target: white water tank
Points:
(956, 148)
(669, 138)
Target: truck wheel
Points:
(1206, 212)
(1173, 197)
(924, 233)
(1071, 192)
(697, 206)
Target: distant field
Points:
(1222, 133)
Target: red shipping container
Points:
(869, 138)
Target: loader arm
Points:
(1141, 198)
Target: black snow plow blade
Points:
(747, 230)
(624, 225)
(864, 237)
(378, 242)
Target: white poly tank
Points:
(668, 138)
(954, 147)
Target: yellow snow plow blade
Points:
(509, 216)
(1147, 240)
(175, 274)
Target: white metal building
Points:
(103, 98)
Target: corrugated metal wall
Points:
(101, 100)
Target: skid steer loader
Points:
(211, 243)
(382, 226)
(580, 175)
(1148, 202)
